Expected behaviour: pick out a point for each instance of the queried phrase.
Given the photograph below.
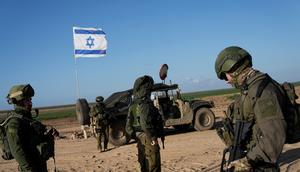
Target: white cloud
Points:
(196, 81)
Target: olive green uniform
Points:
(102, 124)
(267, 134)
(264, 110)
(143, 124)
(23, 143)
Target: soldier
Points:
(27, 138)
(266, 135)
(144, 123)
(102, 123)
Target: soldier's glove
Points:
(52, 131)
(225, 136)
(240, 165)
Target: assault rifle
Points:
(236, 150)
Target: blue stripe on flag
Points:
(90, 51)
(81, 31)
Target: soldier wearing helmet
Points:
(266, 134)
(144, 124)
(100, 115)
(99, 99)
(25, 142)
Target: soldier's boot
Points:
(105, 140)
(102, 150)
(100, 146)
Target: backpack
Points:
(4, 146)
(44, 142)
(291, 109)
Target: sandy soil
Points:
(189, 151)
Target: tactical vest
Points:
(5, 151)
(136, 117)
(44, 142)
(244, 106)
(101, 115)
(244, 110)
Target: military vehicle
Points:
(176, 111)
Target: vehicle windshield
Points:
(171, 94)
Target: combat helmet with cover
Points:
(143, 86)
(232, 59)
(19, 92)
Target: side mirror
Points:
(163, 72)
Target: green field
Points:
(201, 94)
(55, 114)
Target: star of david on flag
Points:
(89, 42)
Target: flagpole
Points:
(77, 81)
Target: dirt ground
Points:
(189, 151)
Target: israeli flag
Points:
(89, 42)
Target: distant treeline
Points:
(297, 83)
(63, 111)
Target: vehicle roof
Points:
(164, 87)
(115, 97)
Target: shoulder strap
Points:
(14, 115)
(262, 85)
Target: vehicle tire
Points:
(182, 127)
(117, 133)
(204, 119)
(82, 112)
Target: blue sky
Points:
(37, 43)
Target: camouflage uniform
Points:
(22, 145)
(102, 124)
(22, 137)
(144, 124)
(265, 113)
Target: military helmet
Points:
(20, 92)
(99, 99)
(230, 59)
(142, 86)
